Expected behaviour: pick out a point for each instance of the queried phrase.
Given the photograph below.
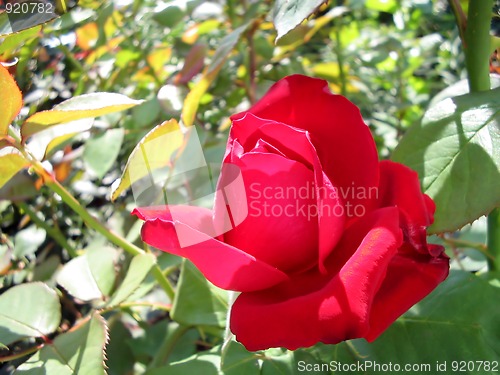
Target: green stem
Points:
(494, 240)
(477, 54)
(71, 58)
(113, 237)
(51, 231)
(90, 220)
(22, 354)
(161, 356)
(128, 305)
(478, 47)
(340, 57)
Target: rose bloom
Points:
(347, 269)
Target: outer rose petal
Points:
(225, 266)
(296, 145)
(277, 230)
(344, 143)
(399, 186)
(409, 279)
(328, 308)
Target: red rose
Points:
(328, 242)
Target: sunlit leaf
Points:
(287, 14)
(154, 151)
(389, 6)
(28, 240)
(16, 40)
(79, 107)
(5, 26)
(28, 310)
(456, 154)
(79, 351)
(11, 100)
(42, 144)
(111, 45)
(71, 19)
(136, 273)
(9, 165)
(197, 301)
(192, 101)
(90, 276)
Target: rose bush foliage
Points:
(346, 263)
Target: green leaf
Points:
(14, 41)
(120, 358)
(90, 276)
(79, 107)
(101, 151)
(288, 14)
(137, 272)
(21, 187)
(154, 151)
(278, 361)
(5, 26)
(197, 301)
(170, 16)
(10, 164)
(27, 241)
(80, 351)
(206, 364)
(456, 154)
(11, 102)
(441, 328)
(28, 310)
(70, 20)
(146, 114)
(236, 360)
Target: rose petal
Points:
(196, 217)
(409, 279)
(295, 144)
(399, 186)
(344, 143)
(225, 266)
(329, 308)
(279, 228)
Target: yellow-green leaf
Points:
(11, 100)
(9, 165)
(192, 101)
(79, 107)
(154, 151)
